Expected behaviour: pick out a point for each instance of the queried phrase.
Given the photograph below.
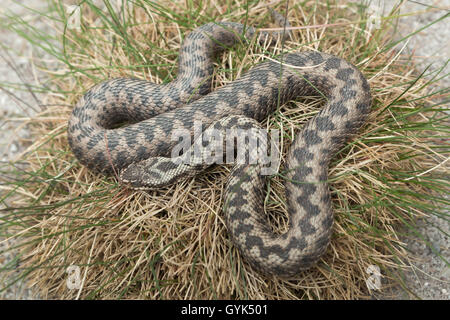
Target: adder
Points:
(140, 151)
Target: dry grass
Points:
(172, 243)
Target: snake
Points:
(125, 126)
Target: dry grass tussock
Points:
(172, 243)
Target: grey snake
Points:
(140, 150)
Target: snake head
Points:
(154, 173)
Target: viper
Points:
(140, 151)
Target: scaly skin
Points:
(157, 110)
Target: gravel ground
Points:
(429, 278)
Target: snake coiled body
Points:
(155, 111)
